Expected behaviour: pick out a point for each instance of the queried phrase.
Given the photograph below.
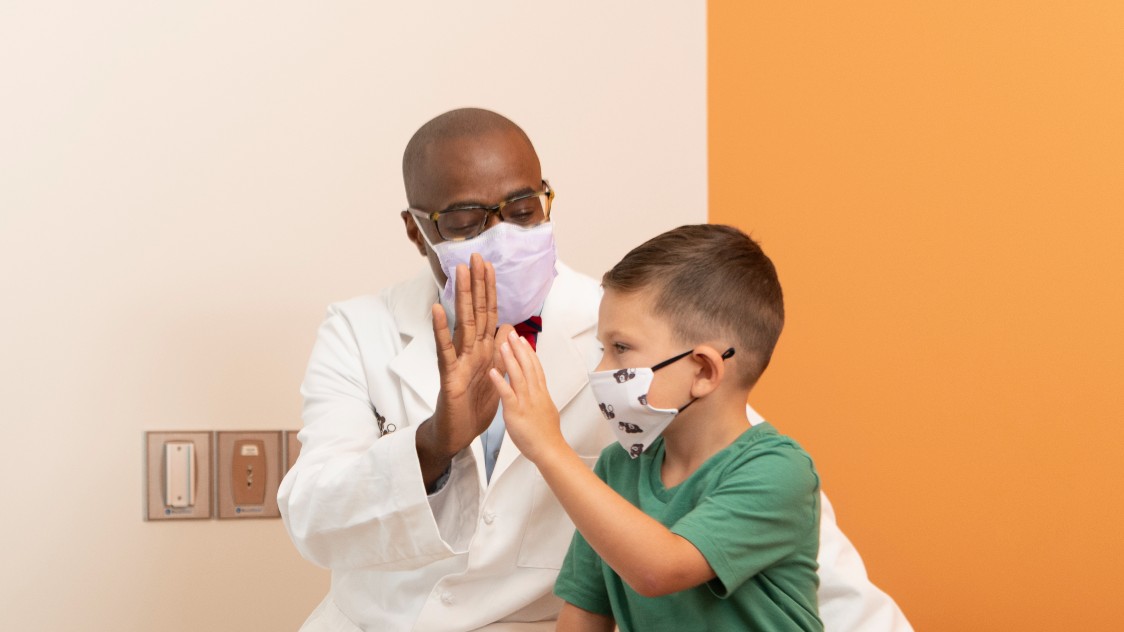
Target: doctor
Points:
(407, 486)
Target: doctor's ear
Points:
(711, 370)
(412, 232)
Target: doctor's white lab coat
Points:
(477, 554)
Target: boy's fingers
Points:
(528, 360)
(536, 364)
(501, 385)
(514, 371)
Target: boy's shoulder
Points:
(764, 439)
(765, 436)
(766, 460)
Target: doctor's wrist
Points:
(433, 458)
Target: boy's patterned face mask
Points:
(622, 396)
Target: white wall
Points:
(184, 187)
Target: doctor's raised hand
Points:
(467, 402)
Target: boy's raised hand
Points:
(621, 534)
(528, 412)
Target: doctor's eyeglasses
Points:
(459, 223)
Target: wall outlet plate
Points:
(292, 449)
(248, 474)
(178, 475)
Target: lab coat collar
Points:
(415, 365)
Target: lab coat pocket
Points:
(549, 529)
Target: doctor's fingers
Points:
(493, 319)
(446, 352)
(497, 344)
(480, 297)
(464, 332)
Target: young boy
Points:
(700, 522)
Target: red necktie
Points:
(530, 329)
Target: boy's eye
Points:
(619, 348)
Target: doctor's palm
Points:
(468, 400)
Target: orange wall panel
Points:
(942, 190)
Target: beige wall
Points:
(184, 187)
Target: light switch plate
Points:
(178, 471)
(248, 474)
(292, 449)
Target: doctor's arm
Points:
(849, 601)
(467, 401)
(355, 496)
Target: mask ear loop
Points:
(668, 361)
(726, 355)
(422, 230)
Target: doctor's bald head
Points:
(464, 159)
(462, 145)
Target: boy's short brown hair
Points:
(711, 282)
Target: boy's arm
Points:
(648, 557)
(574, 619)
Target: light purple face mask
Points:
(524, 260)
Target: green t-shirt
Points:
(752, 510)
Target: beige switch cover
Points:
(248, 474)
(178, 470)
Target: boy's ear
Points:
(711, 372)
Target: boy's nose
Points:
(601, 366)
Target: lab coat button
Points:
(447, 598)
(489, 517)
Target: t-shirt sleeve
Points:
(758, 515)
(581, 580)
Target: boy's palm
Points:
(528, 412)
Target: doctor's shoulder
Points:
(380, 318)
(574, 283)
(573, 295)
(375, 320)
